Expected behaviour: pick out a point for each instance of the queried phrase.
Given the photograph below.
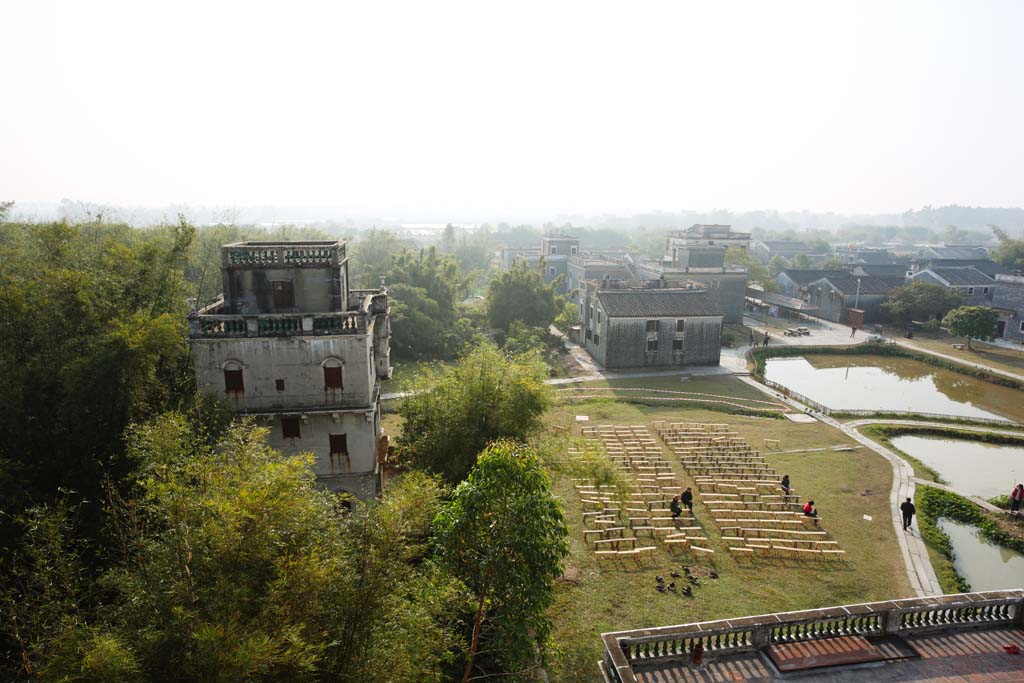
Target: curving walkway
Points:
(915, 555)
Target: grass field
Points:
(1010, 360)
(592, 599)
(731, 392)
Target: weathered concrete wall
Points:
(1009, 295)
(316, 289)
(731, 290)
(835, 308)
(354, 474)
(625, 342)
(297, 360)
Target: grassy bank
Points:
(933, 504)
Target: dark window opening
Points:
(679, 325)
(677, 344)
(339, 444)
(652, 344)
(279, 384)
(332, 377)
(284, 295)
(652, 325)
(597, 340)
(291, 428)
(233, 381)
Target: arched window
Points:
(333, 378)
(234, 381)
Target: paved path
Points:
(915, 555)
(977, 501)
(980, 366)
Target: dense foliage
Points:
(922, 301)
(520, 293)
(457, 411)
(973, 322)
(505, 535)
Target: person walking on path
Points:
(1016, 498)
(688, 499)
(853, 330)
(908, 510)
(752, 340)
(766, 337)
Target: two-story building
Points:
(975, 286)
(642, 324)
(292, 345)
(556, 249)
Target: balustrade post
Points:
(891, 620)
(760, 636)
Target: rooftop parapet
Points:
(316, 253)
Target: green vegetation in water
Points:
(934, 504)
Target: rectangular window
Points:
(332, 377)
(599, 317)
(233, 381)
(597, 340)
(551, 270)
(652, 325)
(553, 250)
(679, 325)
(677, 344)
(652, 344)
(339, 444)
(984, 290)
(589, 333)
(970, 290)
(279, 384)
(284, 295)
(714, 284)
(574, 250)
(290, 428)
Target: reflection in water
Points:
(973, 467)
(985, 566)
(889, 384)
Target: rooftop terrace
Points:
(965, 637)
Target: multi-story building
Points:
(291, 344)
(706, 236)
(629, 325)
(556, 249)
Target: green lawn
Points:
(713, 388)
(1010, 360)
(845, 486)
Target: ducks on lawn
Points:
(675, 574)
(659, 579)
(714, 574)
(687, 591)
(660, 588)
(672, 586)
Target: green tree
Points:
(234, 566)
(920, 300)
(505, 536)
(520, 293)
(372, 256)
(757, 272)
(5, 210)
(457, 411)
(973, 322)
(776, 265)
(1010, 252)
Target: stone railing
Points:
(276, 325)
(264, 255)
(628, 651)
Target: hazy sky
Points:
(579, 106)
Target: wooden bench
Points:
(614, 542)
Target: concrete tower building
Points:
(289, 343)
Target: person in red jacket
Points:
(811, 511)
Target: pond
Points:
(976, 468)
(881, 383)
(986, 566)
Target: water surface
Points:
(889, 384)
(985, 566)
(976, 468)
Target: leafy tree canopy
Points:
(920, 300)
(520, 293)
(457, 411)
(505, 536)
(973, 322)
(1010, 252)
(757, 272)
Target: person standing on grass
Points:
(908, 510)
(688, 499)
(1016, 498)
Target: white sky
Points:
(587, 106)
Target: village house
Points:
(1008, 300)
(766, 250)
(793, 282)
(292, 345)
(555, 250)
(586, 266)
(975, 286)
(641, 324)
(851, 300)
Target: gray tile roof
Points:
(958, 253)
(868, 285)
(803, 276)
(963, 276)
(658, 303)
